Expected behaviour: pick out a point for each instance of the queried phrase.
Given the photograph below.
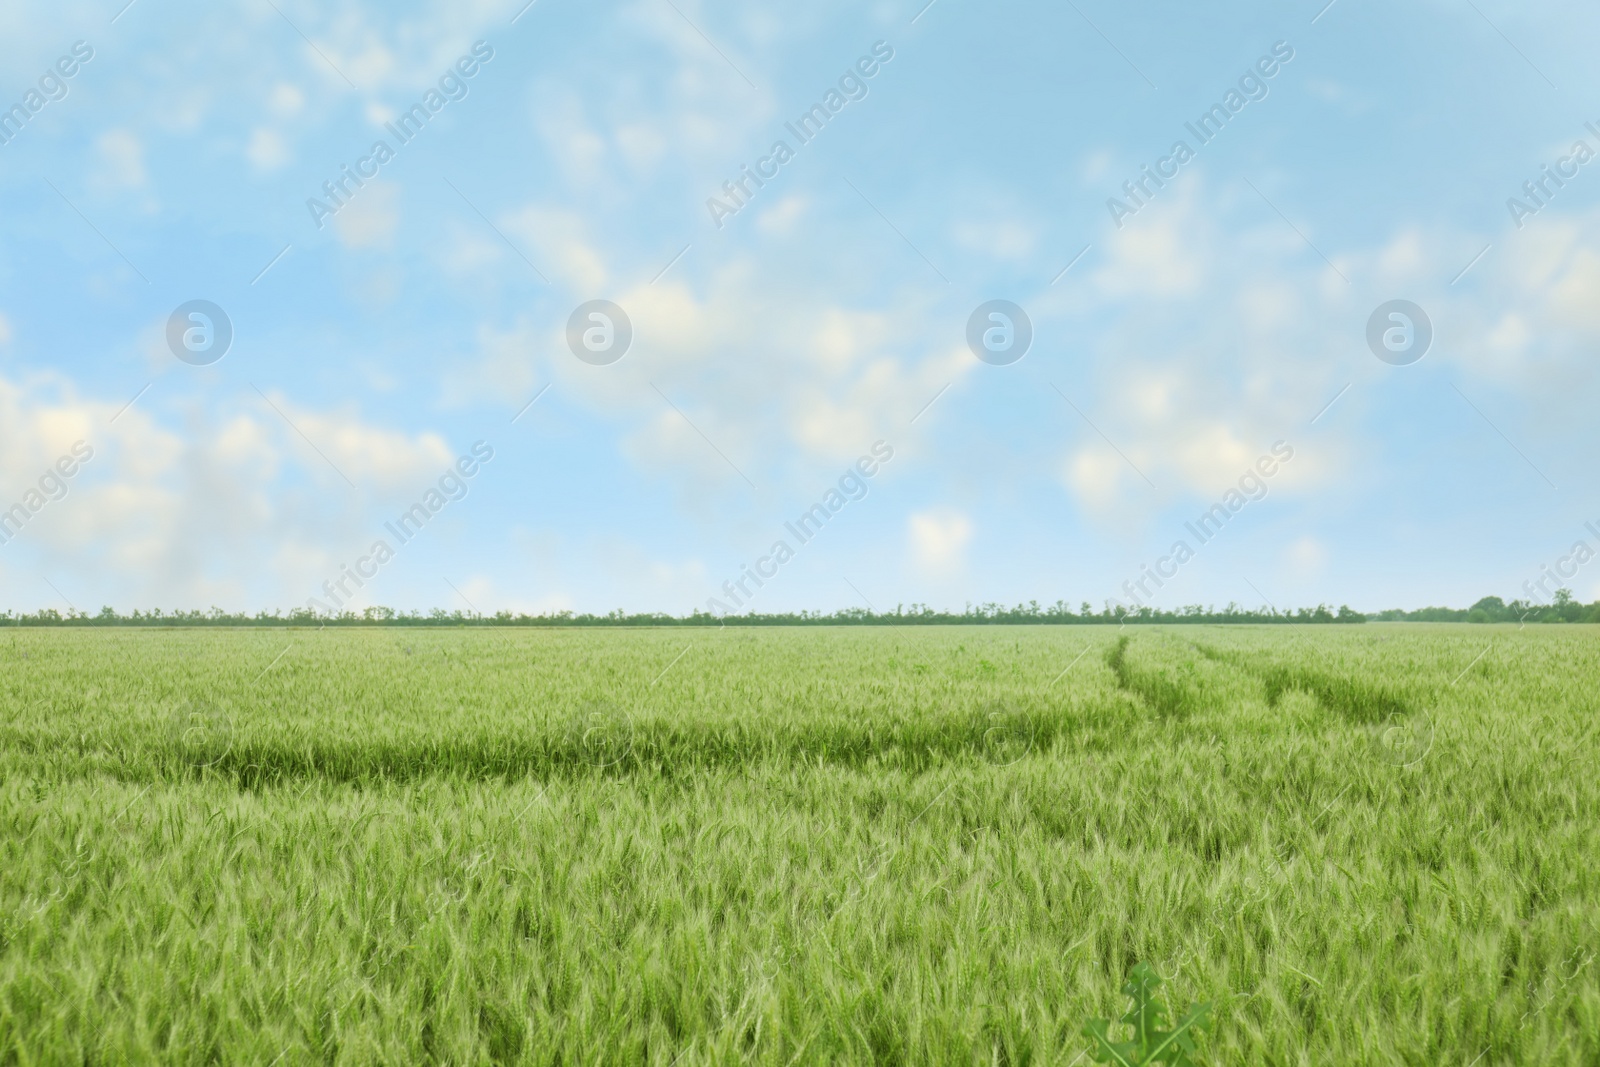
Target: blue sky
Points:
(770, 352)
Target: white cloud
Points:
(939, 539)
(1575, 297)
(373, 458)
(121, 159)
(572, 140)
(285, 100)
(471, 250)
(1212, 456)
(1096, 168)
(505, 370)
(1155, 254)
(641, 145)
(561, 247)
(369, 219)
(779, 377)
(780, 219)
(1096, 475)
(1509, 338)
(1307, 557)
(1403, 260)
(1212, 339)
(230, 507)
(267, 149)
(1528, 315)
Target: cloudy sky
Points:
(1367, 154)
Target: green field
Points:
(1360, 844)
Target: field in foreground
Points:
(1363, 844)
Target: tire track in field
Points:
(1169, 698)
(593, 741)
(1402, 734)
(1358, 701)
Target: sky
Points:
(948, 324)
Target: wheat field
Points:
(1357, 844)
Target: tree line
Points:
(1489, 609)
